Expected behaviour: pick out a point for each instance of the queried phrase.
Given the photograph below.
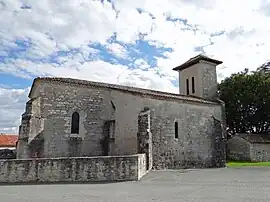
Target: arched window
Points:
(176, 130)
(75, 122)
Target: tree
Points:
(264, 67)
(247, 99)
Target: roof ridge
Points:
(254, 137)
(122, 87)
(196, 59)
(7, 134)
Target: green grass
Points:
(244, 163)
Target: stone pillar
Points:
(22, 150)
(223, 122)
(219, 156)
(144, 137)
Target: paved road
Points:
(209, 185)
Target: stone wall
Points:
(260, 152)
(219, 146)
(194, 147)
(209, 81)
(82, 169)
(145, 141)
(32, 125)
(238, 149)
(142, 168)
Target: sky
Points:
(127, 42)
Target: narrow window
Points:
(176, 130)
(187, 85)
(75, 123)
(193, 85)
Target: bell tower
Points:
(198, 77)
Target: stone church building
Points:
(72, 118)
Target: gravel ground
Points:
(225, 184)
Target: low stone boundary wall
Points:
(75, 169)
(142, 167)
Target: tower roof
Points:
(196, 60)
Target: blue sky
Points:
(140, 49)
(123, 41)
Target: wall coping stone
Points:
(82, 157)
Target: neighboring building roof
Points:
(8, 140)
(133, 90)
(255, 138)
(195, 60)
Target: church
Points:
(67, 117)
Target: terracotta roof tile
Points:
(7, 140)
(195, 60)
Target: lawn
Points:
(243, 163)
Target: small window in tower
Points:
(176, 130)
(187, 86)
(193, 85)
(75, 122)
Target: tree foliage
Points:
(264, 67)
(247, 99)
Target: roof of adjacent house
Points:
(255, 138)
(129, 89)
(195, 60)
(8, 140)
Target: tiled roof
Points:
(133, 90)
(8, 140)
(255, 138)
(195, 60)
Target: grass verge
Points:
(245, 163)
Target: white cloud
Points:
(130, 23)
(51, 26)
(69, 23)
(93, 70)
(265, 7)
(141, 64)
(12, 104)
(117, 50)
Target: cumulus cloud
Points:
(126, 42)
(117, 50)
(12, 104)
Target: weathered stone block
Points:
(76, 169)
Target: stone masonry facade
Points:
(96, 104)
(76, 118)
